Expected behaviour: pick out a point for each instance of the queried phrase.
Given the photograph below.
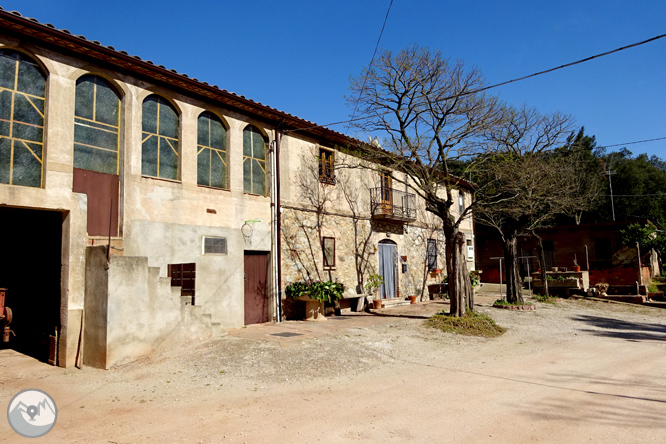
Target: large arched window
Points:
(22, 100)
(211, 151)
(159, 141)
(254, 161)
(96, 125)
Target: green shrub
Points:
(470, 324)
(328, 291)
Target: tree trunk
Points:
(542, 263)
(460, 287)
(513, 285)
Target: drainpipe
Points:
(277, 227)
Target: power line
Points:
(631, 143)
(371, 61)
(633, 45)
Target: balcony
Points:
(392, 205)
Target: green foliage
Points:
(374, 282)
(470, 324)
(328, 291)
(474, 278)
(544, 298)
(505, 302)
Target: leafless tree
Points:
(428, 112)
(530, 182)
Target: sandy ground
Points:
(572, 372)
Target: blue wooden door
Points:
(387, 256)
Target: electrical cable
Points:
(371, 60)
(631, 143)
(485, 88)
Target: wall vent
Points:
(214, 245)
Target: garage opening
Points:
(30, 270)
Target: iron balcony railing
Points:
(392, 204)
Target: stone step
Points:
(394, 302)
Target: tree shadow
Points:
(617, 328)
(592, 404)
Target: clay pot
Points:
(412, 299)
(376, 304)
(576, 268)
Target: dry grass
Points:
(471, 324)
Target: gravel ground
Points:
(232, 387)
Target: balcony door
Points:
(386, 193)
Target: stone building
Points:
(139, 205)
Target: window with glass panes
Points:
(254, 161)
(211, 151)
(96, 125)
(22, 104)
(159, 142)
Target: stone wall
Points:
(302, 256)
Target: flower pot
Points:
(412, 299)
(555, 269)
(314, 309)
(576, 269)
(376, 304)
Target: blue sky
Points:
(298, 56)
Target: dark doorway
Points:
(30, 267)
(256, 287)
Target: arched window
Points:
(159, 141)
(211, 151)
(254, 161)
(22, 100)
(96, 125)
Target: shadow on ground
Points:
(617, 328)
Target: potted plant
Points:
(315, 294)
(372, 287)
(576, 267)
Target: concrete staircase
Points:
(195, 313)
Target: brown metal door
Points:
(256, 287)
(102, 191)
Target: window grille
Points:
(432, 254)
(214, 245)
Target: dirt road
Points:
(568, 373)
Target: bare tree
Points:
(427, 109)
(530, 182)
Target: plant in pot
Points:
(576, 267)
(315, 294)
(372, 286)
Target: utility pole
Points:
(610, 184)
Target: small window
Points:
(328, 248)
(214, 245)
(326, 166)
(432, 254)
(461, 203)
(184, 276)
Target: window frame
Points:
(113, 89)
(212, 151)
(203, 246)
(330, 248)
(161, 101)
(20, 57)
(263, 163)
(326, 166)
(431, 254)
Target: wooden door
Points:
(256, 287)
(387, 193)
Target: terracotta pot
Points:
(376, 304)
(412, 299)
(576, 268)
